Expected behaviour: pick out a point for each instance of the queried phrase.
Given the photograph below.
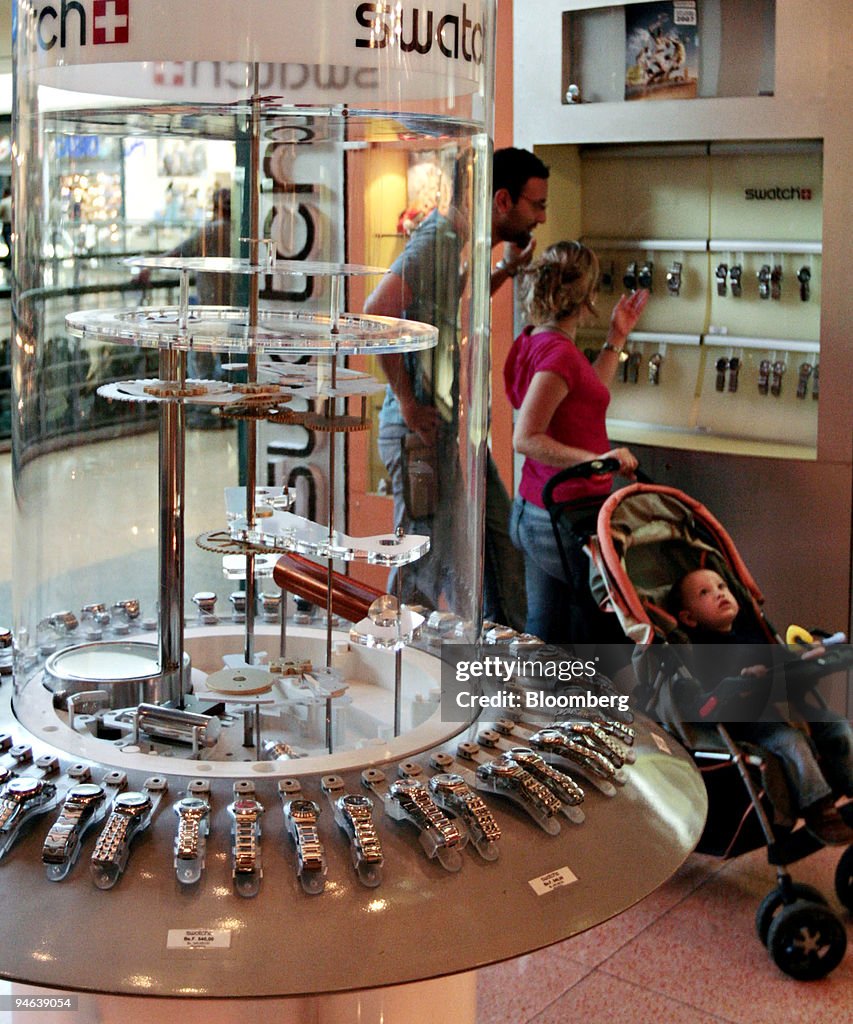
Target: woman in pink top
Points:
(562, 402)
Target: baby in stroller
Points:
(817, 755)
(650, 538)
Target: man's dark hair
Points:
(512, 168)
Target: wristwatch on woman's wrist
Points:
(619, 350)
(510, 269)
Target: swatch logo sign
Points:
(778, 192)
(71, 22)
(456, 35)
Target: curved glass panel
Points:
(206, 213)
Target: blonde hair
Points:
(561, 283)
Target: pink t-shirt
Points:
(578, 421)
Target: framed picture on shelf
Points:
(661, 50)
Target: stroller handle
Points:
(582, 470)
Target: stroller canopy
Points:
(648, 536)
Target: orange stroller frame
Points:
(647, 537)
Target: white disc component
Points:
(240, 681)
(226, 329)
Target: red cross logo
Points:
(111, 21)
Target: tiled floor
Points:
(688, 954)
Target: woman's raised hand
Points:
(627, 312)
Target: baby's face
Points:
(707, 602)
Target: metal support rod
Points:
(282, 628)
(252, 370)
(184, 300)
(332, 408)
(329, 743)
(398, 665)
(335, 304)
(172, 455)
(249, 585)
(250, 712)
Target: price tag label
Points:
(661, 744)
(199, 938)
(553, 880)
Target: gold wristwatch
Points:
(357, 814)
(301, 816)
(246, 866)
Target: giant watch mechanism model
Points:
(222, 786)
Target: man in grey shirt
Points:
(421, 404)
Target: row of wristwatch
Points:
(535, 768)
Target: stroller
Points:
(647, 537)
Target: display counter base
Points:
(423, 1002)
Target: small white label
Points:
(199, 938)
(684, 12)
(661, 744)
(553, 880)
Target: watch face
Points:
(357, 800)
(24, 787)
(85, 791)
(132, 801)
(192, 803)
(245, 806)
(448, 779)
(300, 807)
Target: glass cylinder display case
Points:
(224, 704)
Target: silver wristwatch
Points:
(593, 736)
(452, 792)
(84, 805)
(21, 798)
(354, 816)
(507, 778)
(563, 786)
(574, 749)
(131, 814)
(193, 813)
(423, 812)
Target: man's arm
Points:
(514, 259)
(390, 298)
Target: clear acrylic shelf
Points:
(226, 329)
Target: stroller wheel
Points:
(844, 878)
(773, 902)
(807, 940)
